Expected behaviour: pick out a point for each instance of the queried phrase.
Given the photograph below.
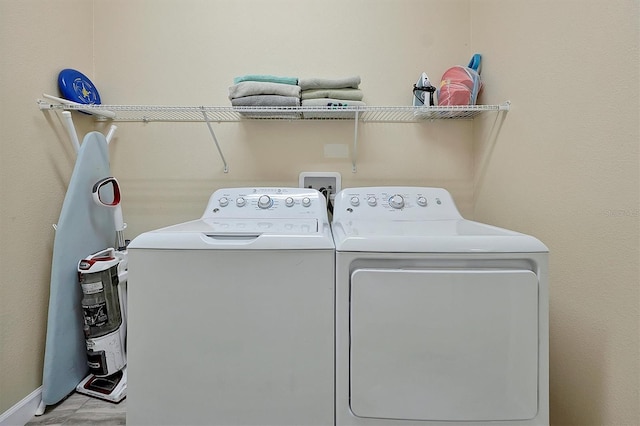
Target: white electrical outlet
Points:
(329, 181)
(336, 150)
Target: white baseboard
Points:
(22, 412)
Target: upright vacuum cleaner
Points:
(103, 278)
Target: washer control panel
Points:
(268, 202)
(394, 203)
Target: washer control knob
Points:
(264, 202)
(422, 201)
(372, 201)
(288, 202)
(306, 201)
(240, 201)
(224, 202)
(355, 201)
(396, 201)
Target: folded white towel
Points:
(331, 103)
(250, 88)
(334, 108)
(329, 83)
(351, 94)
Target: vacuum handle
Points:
(109, 253)
(97, 194)
(112, 203)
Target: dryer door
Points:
(444, 344)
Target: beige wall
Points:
(564, 167)
(566, 173)
(35, 165)
(189, 53)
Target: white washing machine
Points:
(439, 320)
(232, 315)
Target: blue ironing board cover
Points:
(83, 228)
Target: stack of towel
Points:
(333, 93)
(260, 90)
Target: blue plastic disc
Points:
(75, 86)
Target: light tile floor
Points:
(78, 409)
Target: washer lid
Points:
(430, 236)
(253, 234)
(255, 218)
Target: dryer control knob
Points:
(264, 202)
(372, 201)
(422, 201)
(355, 201)
(288, 202)
(224, 202)
(306, 201)
(240, 202)
(396, 201)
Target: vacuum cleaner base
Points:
(112, 388)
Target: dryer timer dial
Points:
(396, 201)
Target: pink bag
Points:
(460, 85)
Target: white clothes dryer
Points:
(439, 320)
(232, 315)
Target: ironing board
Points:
(83, 228)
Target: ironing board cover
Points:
(83, 228)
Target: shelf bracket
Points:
(112, 131)
(354, 153)
(100, 114)
(71, 130)
(213, 134)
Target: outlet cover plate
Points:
(317, 180)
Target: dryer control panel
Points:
(267, 202)
(394, 203)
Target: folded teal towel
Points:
(329, 83)
(266, 78)
(350, 94)
(249, 88)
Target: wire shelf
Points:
(220, 114)
(370, 114)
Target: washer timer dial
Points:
(396, 201)
(264, 202)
